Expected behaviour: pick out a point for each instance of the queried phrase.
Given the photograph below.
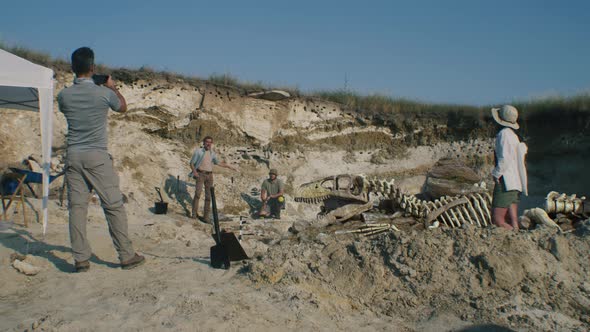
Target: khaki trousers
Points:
(94, 170)
(204, 179)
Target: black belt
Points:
(204, 172)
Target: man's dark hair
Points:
(206, 138)
(82, 60)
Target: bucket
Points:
(161, 207)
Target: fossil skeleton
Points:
(568, 205)
(565, 209)
(452, 211)
(369, 230)
(342, 197)
(346, 195)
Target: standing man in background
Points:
(202, 170)
(88, 163)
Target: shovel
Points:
(160, 207)
(227, 247)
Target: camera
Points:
(100, 79)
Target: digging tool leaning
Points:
(228, 247)
(160, 207)
(219, 256)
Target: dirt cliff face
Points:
(307, 138)
(190, 111)
(557, 141)
(558, 153)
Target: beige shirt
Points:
(207, 163)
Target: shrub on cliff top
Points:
(375, 105)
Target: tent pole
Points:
(46, 110)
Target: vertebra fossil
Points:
(346, 195)
(569, 205)
(452, 211)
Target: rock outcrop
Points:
(450, 177)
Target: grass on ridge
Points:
(381, 106)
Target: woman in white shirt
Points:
(510, 173)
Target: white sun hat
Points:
(506, 116)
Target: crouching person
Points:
(271, 194)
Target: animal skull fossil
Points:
(343, 196)
(343, 186)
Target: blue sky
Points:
(467, 52)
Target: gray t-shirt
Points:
(273, 187)
(85, 106)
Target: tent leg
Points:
(3, 208)
(22, 201)
(32, 191)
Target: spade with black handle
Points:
(160, 207)
(227, 247)
(219, 256)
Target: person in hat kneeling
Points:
(271, 194)
(509, 173)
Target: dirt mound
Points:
(536, 280)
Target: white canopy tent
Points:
(27, 86)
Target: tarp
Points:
(27, 86)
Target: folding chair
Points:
(34, 177)
(12, 189)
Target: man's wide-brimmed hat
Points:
(273, 171)
(506, 116)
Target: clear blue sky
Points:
(468, 52)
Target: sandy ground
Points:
(302, 279)
(176, 289)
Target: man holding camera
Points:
(89, 165)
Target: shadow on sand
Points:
(254, 203)
(178, 190)
(486, 328)
(24, 243)
(202, 260)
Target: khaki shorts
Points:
(503, 198)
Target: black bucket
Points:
(161, 207)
